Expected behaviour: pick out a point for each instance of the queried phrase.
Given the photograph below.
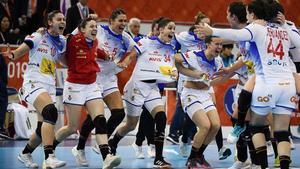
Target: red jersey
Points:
(82, 66)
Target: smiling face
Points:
(119, 23)
(90, 29)
(57, 24)
(5, 24)
(167, 32)
(215, 46)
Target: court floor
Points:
(10, 149)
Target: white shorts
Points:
(194, 100)
(137, 94)
(32, 89)
(276, 98)
(236, 93)
(79, 94)
(109, 83)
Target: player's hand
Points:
(122, 65)
(203, 29)
(93, 16)
(174, 74)
(9, 54)
(222, 71)
(42, 30)
(280, 18)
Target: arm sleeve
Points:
(245, 34)
(33, 39)
(141, 46)
(293, 34)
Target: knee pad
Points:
(256, 129)
(49, 114)
(38, 129)
(117, 116)
(282, 136)
(100, 124)
(244, 101)
(160, 121)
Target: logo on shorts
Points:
(69, 97)
(264, 99)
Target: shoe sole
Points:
(226, 154)
(22, 161)
(114, 163)
(166, 166)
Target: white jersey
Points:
(46, 50)
(198, 61)
(295, 52)
(188, 41)
(269, 47)
(115, 45)
(155, 60)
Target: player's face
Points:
(118, 25)
(167, 32)
(230, 18)
(90, 30)
(206, 20)
(135, 28)
(215, 46)
(155, 30)
(57, 24)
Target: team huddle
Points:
(94, 54)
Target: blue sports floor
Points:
(10, 149)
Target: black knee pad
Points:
(49, 114)
(244, 101)
(117, 116)
(100, 124)
(38, 129)
(256, 129)
(160, 121)
(282, 136)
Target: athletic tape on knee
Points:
(244, 101)
(38, 129)
(49, 114)
(100, 124)
(281, 136)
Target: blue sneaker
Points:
(234, 135)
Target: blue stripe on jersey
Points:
(204, 58)
(137, 49)
(195, 36)
(176, 44)
(119, 36)
(250, 33)
(296, 31)
(156, 38)
(183, 56)
(255, 57)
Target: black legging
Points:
(146, 128)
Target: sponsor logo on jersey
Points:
(229, 100)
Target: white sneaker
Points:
(52, 162)
(224, 153)
(241, 165)
(138, 151)
(80, 157)
(293, 147)
(270, 151)
(27, 160)
(111, 161)
(184, 149)
(96, 149)
(151, 151)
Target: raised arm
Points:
(17, 53)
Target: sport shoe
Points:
(293, 147)
(224, 153)
(151, 151)
(138, 151)
(235, 133)
(193, 164)
(203, 162)
(173, 139)
(111, 161)
(241, 165)
(96, 149)
(270, 151)
(184, 149)
(52, 162)
(277, 162)
(80, 157)
(27, 160)
(161, 163)
(253, 166)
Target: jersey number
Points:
(277, 51)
